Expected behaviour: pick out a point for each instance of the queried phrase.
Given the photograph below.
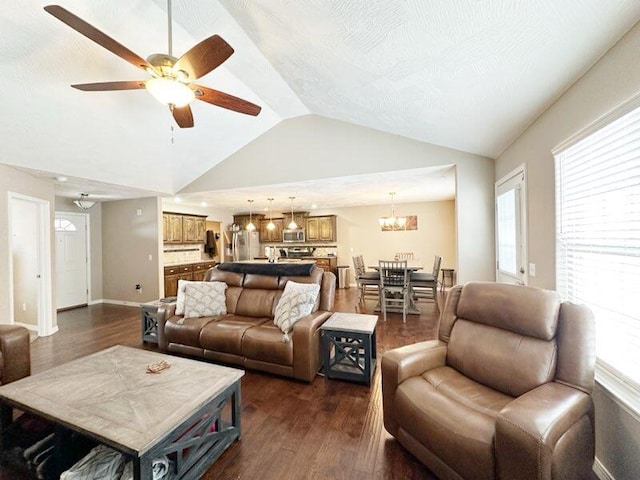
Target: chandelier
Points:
(393, 222)
(83, 203)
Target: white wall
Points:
(12, 180)
(611, 81)
(314, 147)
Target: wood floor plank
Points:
(325, 429)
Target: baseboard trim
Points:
(96, 302)
(121, 302)
(28, 326)
(601, 472)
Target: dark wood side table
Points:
(149, 320)
(447, 273)
(349, 347)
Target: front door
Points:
(71, 260)
(511, 256)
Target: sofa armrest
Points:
(546, 433)
(165, 312)
(15, 353)
(306, 345)
(405, 362)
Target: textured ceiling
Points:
(466, 74)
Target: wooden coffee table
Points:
(190, 411)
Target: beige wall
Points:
(12, 180)
(95, 242)
(359, 233)
(128, 239)
(24, 250)
(612, 80)
(314, 147)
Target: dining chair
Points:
(368, 283)
(394, 286)
(425, 285)
(403, 256)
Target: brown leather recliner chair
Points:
(15, 354)
(505, 392)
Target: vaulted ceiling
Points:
(465, 74)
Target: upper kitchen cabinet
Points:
(271, 236)
(179, 228)
(321, 229)
(243, 220)
(298, 217)
(171, 228)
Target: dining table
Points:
(412, 308)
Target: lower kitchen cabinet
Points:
(189, 271)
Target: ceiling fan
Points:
(172, 78)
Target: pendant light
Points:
(270, 225)
(293, 225)
(250, 226)
(83, 203)
(393, 222)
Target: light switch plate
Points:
(532, 269)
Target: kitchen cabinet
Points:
(271, 236)
(172, 275)
(189, 271)
(200, 270)
(173, 228)
(180, 228)
(321, 229)
(243, 220)
(298, 217)
(328, 264)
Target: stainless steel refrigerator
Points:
(245, 245)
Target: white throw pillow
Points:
(205, 299)
(182, 284)
(297, 301)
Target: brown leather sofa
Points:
(246, 335)
(505, 392)
(15, 353)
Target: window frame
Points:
(624, 390)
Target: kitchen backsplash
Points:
(178, 254)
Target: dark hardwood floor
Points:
(290, 430)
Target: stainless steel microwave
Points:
(293, 236)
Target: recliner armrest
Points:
(546, 434)
(406, 362)
(306, 345)
(164, 313)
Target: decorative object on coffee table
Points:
(109, 397)
(349, 347)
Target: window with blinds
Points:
(598, 237)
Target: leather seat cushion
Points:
(264, 343)
(453, 417)
(422, 277)
(370, 276)
(187, 330)
(226, 334)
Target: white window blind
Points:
(598, 237)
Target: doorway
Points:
(29, 263)
(72, 259)
(511, 221)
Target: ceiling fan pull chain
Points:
(170, 34)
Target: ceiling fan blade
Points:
(96, 35)
(107, 86)
(204, 57)
(183, 116)
(225, 100)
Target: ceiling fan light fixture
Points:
(170, 92)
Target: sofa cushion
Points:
(182, 285)
(453, 417)
(296, 302)
(225, 335)
(205, 299)
(256, 302)
(264, 343)
(186, 331)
